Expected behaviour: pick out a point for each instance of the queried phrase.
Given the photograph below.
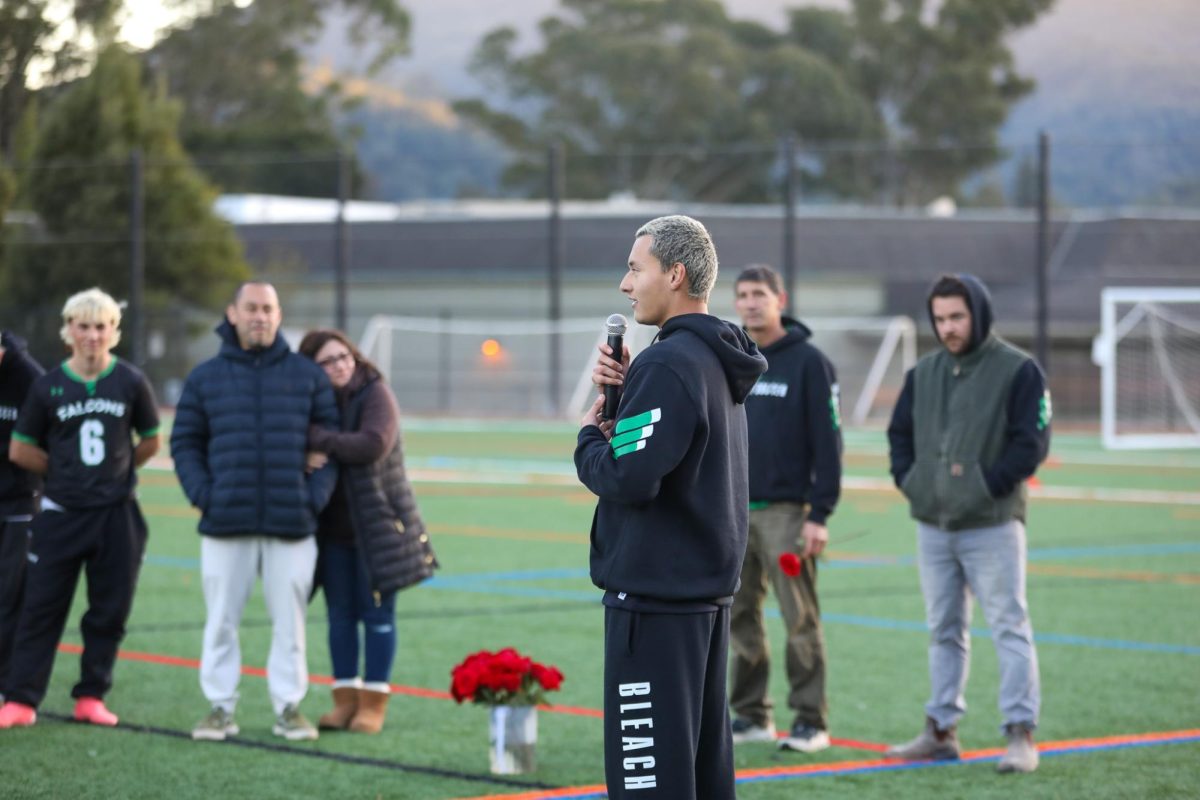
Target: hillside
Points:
(1118, 89)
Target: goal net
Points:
(1148, 352)
(493, 367)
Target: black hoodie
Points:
(795, 426)
(673, 514)
(18, 371)
(1027, 408)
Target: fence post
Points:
(137, 258)
(556, 256)
(789, 220)
(445, 361)
(341, 255)
(1043, 252)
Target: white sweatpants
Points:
(228, 569)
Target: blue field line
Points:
(502, 583)
(895, 767)
(1112, 551)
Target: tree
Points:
(80, 189)
(30, 36)
(686, 101)
(697, 101)
(947, 83)
(238, 73)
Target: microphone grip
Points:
(612, 394)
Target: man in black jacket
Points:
(971, 425)
(18, 489)
(669, 531)
(795, 480)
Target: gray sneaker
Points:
(291, 725)
(932, 745)
(215, 727)
(746, 731)
(1022, 753)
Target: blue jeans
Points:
(348, 601)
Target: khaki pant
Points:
(773, 531)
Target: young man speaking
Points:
(670, 528)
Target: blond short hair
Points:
(92, 305)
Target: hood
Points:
(232, 348)
(979, 303)
(795, 332)
(738, 355)
(10, 341)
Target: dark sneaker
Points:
(1022, 753)
(804, 738)
(291, 725)
(931, 745)
(215, 727)
(746, 731)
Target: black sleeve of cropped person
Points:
(1028, 432)
(824, 437)
(900, 432)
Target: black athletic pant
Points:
(108, 544)
(666, 721)
(14, 548)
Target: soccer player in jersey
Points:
(77, 429)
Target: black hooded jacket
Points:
(18, 371)
(795, 426)
(1027, 407)
(673, 514)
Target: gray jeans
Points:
(990, 564)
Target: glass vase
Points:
(512, 739)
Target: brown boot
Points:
(345, 703)
(372, 707)
(933, 744)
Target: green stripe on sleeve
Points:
(632, 436)
(646, 418)
(149, 433)
(20, 437)
(629, 448)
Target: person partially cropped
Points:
(371, 539)
(78, 427)
(18, 491)
(670, 528)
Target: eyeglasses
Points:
(326, 363)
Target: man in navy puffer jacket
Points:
(239, 442)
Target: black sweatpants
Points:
(666, 721)
(108, 544)
(14, 549)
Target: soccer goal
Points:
(493, 367)
(1148, 352)
(870, 355)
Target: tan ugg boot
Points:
(345, 703)
(372, 707)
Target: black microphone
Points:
(616, 326)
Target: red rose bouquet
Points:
(503, 678)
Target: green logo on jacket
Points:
(1045, 410)
(631, 433)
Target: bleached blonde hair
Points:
(92, 305)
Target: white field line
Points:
(849, 483)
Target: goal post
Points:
(494, 367)
(1148, 352)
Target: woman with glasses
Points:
(371, 539)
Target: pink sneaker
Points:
(17, 715)
(92, 710)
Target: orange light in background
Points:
(491, 349)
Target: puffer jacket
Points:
(240, 436)
(375, 497)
